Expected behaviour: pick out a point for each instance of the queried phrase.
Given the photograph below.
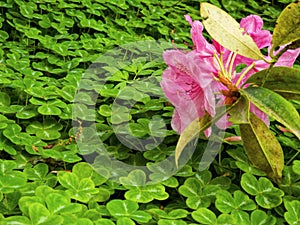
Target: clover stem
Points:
(244, 74)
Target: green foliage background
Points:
(46, 46)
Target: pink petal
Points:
(262, 38)
(288, 58)
(202, 46)
(252, 24)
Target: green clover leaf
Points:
(80, 189)
(227, 203)
(125, 208)
(266, 195)
(48, 130)
(10, 179)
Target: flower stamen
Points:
(221, 65)
(228, 59)
(244, 74)
(231, 64)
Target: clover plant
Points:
(89, 136)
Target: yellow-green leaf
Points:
(275, 106)
(227, 32)
(197, 126)
(262, 148)
(287, 27)
(190, 133)
(240, 112)
(283, 80)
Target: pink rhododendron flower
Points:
(198, 80)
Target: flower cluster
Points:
(196, 81)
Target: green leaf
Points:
(48, 130)
(225, 203)
(125, 221)
(266, 195)
(146, 193)
(14, 134)
(172, 215)
(240, 217)
(239, 113)
(262, 147)
(58, 203)
(27, 112)
(135, 178)
(10, 179)
(49, 110)
(171, 222)
(292, 215)
(259, 217)
(283, 80)
(198, 193)
(38, 213)
(3, 35)
(68, 92)
(204, 216)
(287, 27)
(83, 170)
(38, 172)
(190, 133)
(104, 222)
(198, 125)
(226, 31)
(275, 106)
(79, 189)
(296, 166)
(16, 220)
(4, 99)
(125, 208)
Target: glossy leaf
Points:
(266, 195)
(38, 213)
(204, 216)
(48, 130)
(198, 192)
(197, 126)
(171, 222)
(262, 147)
(104, 222)
(262, 218)
(283, 80)
(287, 27)
(57, 203)
(125, 208)
(145, 194)
(226, 31)
(16, 220)
(275, 106)
(239, 113)
(227, 203)
(79, 189)
(292, 215)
